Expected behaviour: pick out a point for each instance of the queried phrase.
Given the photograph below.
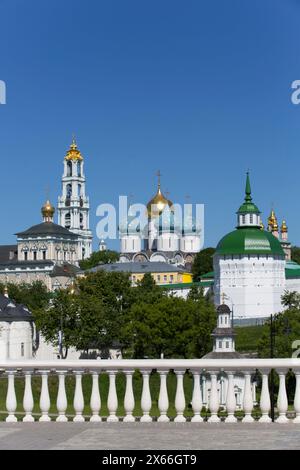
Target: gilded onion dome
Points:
(158, 203)
(284, 227)
(48, 211)
(272, 221)
(73, 153)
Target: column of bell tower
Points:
(73, 204)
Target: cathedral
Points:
(164, 238)
(51, 252)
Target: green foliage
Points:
(203, 263)
(99, 257)
(170, 326)
(286, 328)
(34, 295)
(104, 308)
(296, 254)
(248, 337)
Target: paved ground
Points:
(148, 436)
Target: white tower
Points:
(73, 204)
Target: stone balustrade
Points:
(198, 405)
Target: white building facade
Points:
(249, 266)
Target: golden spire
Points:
(159, 202)
(73, 153)
(223, 298)
(272, 221)
(284, 228)
(262, 227)
(48, 211)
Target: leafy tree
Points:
(286, 327)
(203, 263)
(296, 254)
(60, 315)
(34, 295)
(147, 290)
(171, 326)
(99, 257)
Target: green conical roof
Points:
(248, 207)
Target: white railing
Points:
(205, 402)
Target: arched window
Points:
(69, 190)
(69, 168)
(68, 220)
(81, 220)
(79, 190)
(78, 168)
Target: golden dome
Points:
(284, 227)
(272, 221)
(158, 203)
(48, 210)
(73, 153)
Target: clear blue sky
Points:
(197, 89)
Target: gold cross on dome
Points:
(223, 298)
(158, 174)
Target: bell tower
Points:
(73, 204)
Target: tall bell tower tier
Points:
(73, 204)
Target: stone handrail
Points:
(206, 373)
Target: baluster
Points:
(282, 401)
(248, 401)
(214, 403)
(265, 401)
(230, 399)
(95, 402)
(11, 400)
(112, 400)
(204, 390)
(129, 398)
(78, 402)
(163, 400)
(297, 398)
(28, 399)
(180, 398)
(45, 398)
(254, 393)
(61, 401)
(197, 399)
(146, 401)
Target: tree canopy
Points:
(103, 308)
(99, 257)
(203, 263)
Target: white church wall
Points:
(253, 285)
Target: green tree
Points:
(203, 263)
(33, 295)
(171, 326)
(286, 327)
(99, 257)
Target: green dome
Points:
(250, 240)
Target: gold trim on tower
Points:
(73, 153)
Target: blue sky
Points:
(198, 89)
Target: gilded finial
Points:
(73, 153)
(223, 296)
(284, 227)
(48, 211)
